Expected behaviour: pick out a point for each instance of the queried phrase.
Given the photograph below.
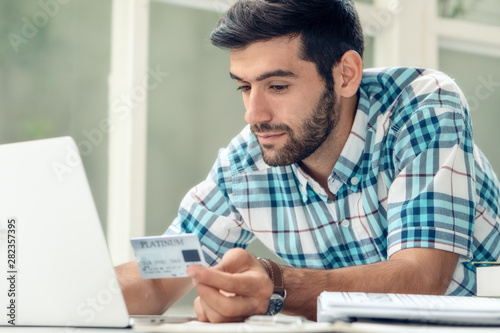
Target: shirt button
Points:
(354, 181)
(345, 223)
(303, 190)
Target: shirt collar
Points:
(348, 167)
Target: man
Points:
(360, 181)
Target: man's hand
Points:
(238, 287)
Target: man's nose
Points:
(257, 108)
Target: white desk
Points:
(240, 327)
(19, 329)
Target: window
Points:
(53, 78)
(192, 114)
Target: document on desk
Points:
(280, 323)
(453, 310)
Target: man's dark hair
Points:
(328, 28)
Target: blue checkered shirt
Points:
(408, 176)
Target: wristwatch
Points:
(277, 300)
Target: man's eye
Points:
(279, 88)
(244, 88)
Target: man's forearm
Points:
(397, 276)
(152, 296)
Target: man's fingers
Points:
(213, 315)
(253, 283)
(236, 260)
(220, 307)
(198, 309)
(234, 289)
(206, 312)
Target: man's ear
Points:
(348, 74)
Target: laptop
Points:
(428, 309)
(55, 268)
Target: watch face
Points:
(276, 304)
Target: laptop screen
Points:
(52, 248)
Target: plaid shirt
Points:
(408, 176)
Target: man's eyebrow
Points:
(275, 73)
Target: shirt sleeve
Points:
(431, 202)
(207, 211)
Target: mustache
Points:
(266, 127)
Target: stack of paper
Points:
(456, 310)
(488, 279)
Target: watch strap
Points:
(276, 274)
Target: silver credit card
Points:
(167, 256)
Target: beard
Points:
(305, 141)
